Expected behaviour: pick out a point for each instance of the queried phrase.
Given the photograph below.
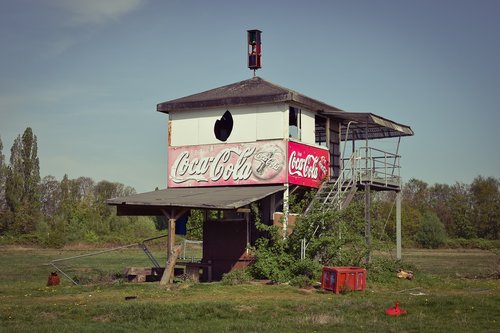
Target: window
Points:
(294, 123)
(320, 131)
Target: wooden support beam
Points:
(170, 237)
(168, 274)
(173, 251)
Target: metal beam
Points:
(398, 225)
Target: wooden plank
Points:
(168, 275)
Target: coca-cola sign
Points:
(227, 164)
(262, 162)
(307, 165)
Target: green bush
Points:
(431, 232)
(239, 276)
(474, 243)
(307, 268)
(301, 281)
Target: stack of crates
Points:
(340, 279)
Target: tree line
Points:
(52, 212)
(463, 211)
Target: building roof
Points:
(216, 198)
(259, 91)
(248, 92)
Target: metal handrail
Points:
(379, 166)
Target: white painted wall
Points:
(251, 123)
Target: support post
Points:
(173, 251)
(285, 211)
(168, 274)
(398, 225)
(171, 237)
(368, 226)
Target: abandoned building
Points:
(255, 141)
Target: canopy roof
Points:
(362, 125)
(259, 91)
(216, 198)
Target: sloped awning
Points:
(362, 125)
(217, 198)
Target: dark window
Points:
(320, 130)
(294, 122)
(223, 126)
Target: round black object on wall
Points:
(223, 126)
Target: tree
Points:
(22, 192)
(460, 211)
(3, 171)
(440, 197)
(416, 193)
(50, 195)
(3, 203)
(485, 198)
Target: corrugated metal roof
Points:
(223, 198)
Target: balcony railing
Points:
(373, 166)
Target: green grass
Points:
(444, 296)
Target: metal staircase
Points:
(365, 167)
(337, 194)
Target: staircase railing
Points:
(333, 195)
(330, 194)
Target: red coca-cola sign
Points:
(307, 165)
(228, 164)
(263, 162)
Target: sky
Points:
(86, 75)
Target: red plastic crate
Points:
(338, 279)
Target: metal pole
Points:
(368, 236)
(367, 205)
(398, 225)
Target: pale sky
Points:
(86, 75)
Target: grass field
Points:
(452, 291)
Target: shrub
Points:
(271, 265)
(307, 268)
(474, 243)
(301, 281)
(239, 276)
(431, 232)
